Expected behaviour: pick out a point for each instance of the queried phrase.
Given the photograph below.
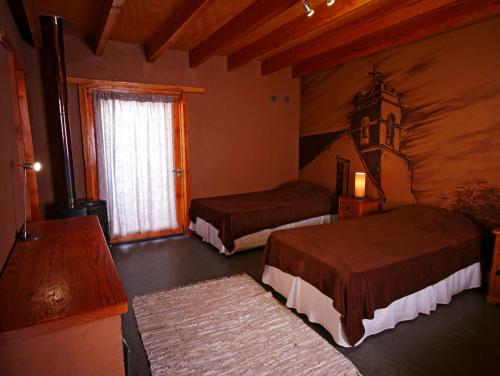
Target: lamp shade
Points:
(359, 184)
(36, 166)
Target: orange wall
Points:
(240, 140)
(11, 209)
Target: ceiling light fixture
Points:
(330, 2)
(307, 8)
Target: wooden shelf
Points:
(62, 280)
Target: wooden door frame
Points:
(22, 123)
(86, 87)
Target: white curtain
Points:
(135, 154)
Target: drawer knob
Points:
(497, 273)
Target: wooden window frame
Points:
(86, 88)
(22, 123)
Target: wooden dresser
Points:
(494, 287)
(350, 207)
(61, 303)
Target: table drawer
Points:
(350, 206)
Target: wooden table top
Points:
(64, 279)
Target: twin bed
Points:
(358, 277)
(239, 222)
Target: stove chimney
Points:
(54, 43)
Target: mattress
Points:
(211, 235)
(307, 299)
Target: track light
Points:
(330, 2)
(307, 8)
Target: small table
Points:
(61, 303)
(350, 207)
(494, 288)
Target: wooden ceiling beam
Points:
(386, 14)
(33, 23)
(294, 29)
(249, 19)
(107, 22)
(27, 21)
(460, 14)
(174, 27)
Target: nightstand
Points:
(350, 207)
(494, 288)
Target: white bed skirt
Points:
(318, 307)
(211, 235)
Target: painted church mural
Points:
(423, 125)
(374, 132)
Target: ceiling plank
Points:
(252, 17)
(442, 20)
(387, 14)
(171, 30)
(293, 29)
(107, 22)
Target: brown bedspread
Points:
(366, 264)
(238, 215)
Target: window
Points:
(389, 129)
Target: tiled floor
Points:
(462, 338)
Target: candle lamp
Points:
(359, 185)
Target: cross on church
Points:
(374, 74)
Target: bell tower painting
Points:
(376, 131)
(370, 141)
(377, 114)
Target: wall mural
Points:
(422, 120)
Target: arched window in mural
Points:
(365, 130)
(389, 129)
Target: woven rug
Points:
(231, 326)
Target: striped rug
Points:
(230, 326)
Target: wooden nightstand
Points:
(494, 288)
(350, 207)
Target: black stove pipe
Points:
(55, 45)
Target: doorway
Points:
(136, 157)
(342, 183)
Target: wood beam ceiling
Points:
(171, 30)
(323, 16)
(107, 22)
(386, 15)
(252, 17)
(441, 20)
(266, 29)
